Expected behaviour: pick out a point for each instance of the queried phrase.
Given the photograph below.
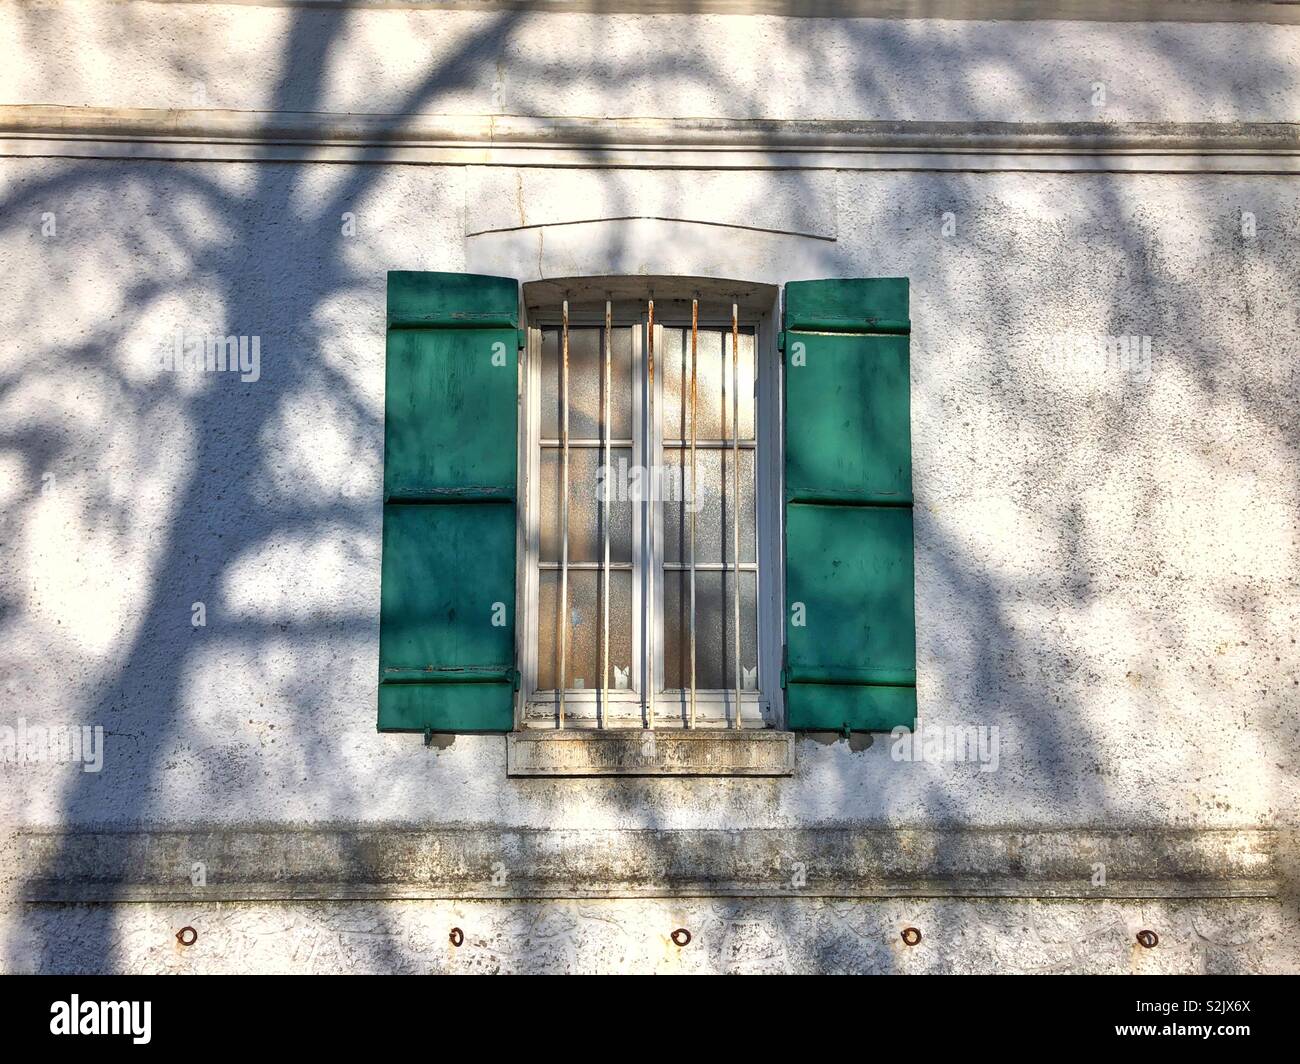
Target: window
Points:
(651, 489)
(557, 540)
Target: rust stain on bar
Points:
(695, 338)
(735, 487)
(648, 680)
(562, 613)
(604, 644)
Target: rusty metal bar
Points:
(735, 487)
(563, 605)
(651, 457)
(695, 339)
(607, 482)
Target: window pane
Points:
(586, 510)
(584, 638)
(715, 650)
(586, 383)
(715, 507)
(714, 538)
(712, 385)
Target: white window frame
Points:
(759, 709)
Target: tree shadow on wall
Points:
(204, 482)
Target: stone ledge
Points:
(486, 862)
(654, 143)
(638, 752)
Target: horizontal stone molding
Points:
(256, 863)
(655, 143)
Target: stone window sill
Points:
(639, 752)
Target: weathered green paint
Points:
(850, 623)
(453, 569)
(863, 707)
(849, 304)
(851, 567)
(447, 599)
(853, 442)
(446, 707)
(451, 300)
(450, 414)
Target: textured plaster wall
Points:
(732, 936)
(520, 63)
(1108, 564)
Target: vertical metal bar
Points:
(695, 339)
(563, 611)
(651, 459)
(735, 487)
(604, 638)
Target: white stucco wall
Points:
(730, 936)
(373, 60)
(1108, 564)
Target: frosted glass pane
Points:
(715, 650)
(586, 383)
(586, 510)
(713, 516)
(712, 385)
(584, 638)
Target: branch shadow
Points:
(1022, 646)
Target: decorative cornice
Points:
(718, 143)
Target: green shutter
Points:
(447, 602)
(850, 622)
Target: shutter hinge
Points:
(521, 336)
(780, 340)
(516, 680)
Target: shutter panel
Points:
(850, 622)
(447, 602)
